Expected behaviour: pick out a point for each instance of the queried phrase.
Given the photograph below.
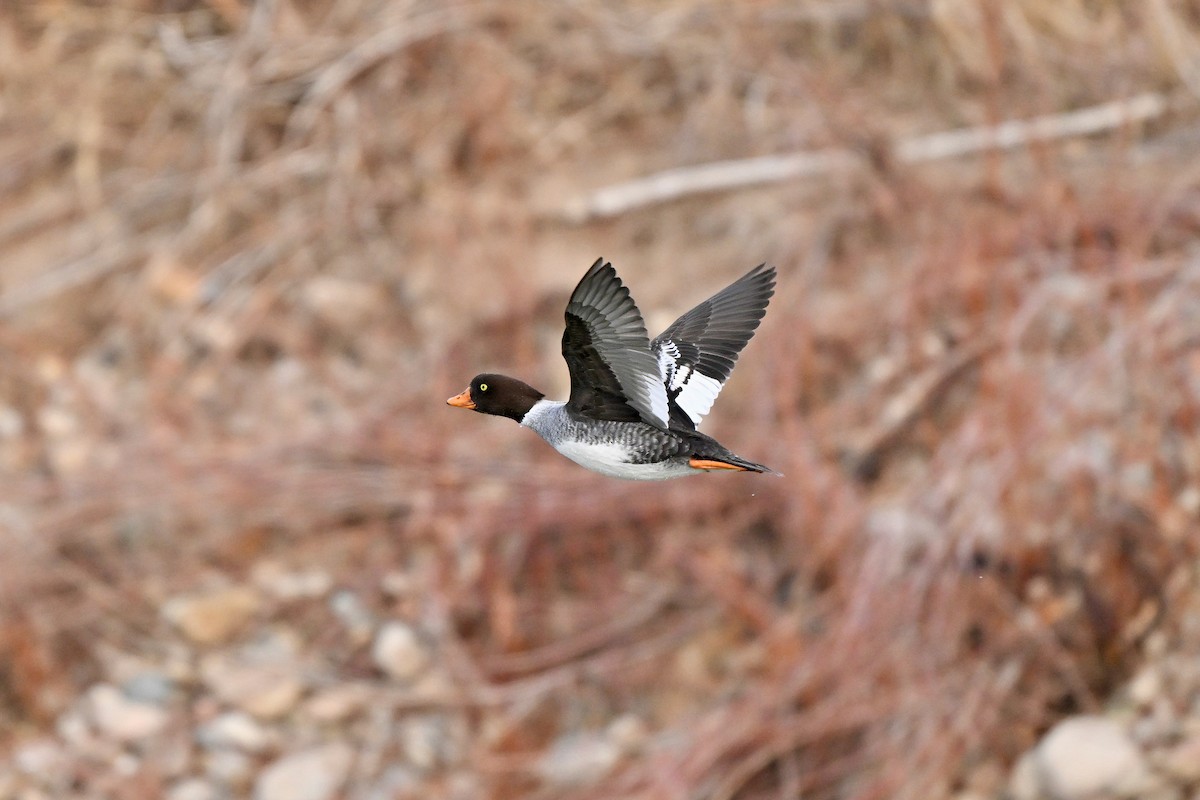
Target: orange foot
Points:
(704, 463)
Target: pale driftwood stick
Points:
(1007, 135)
(673, 184)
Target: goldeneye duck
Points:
(635, 403)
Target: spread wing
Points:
(614, 376)
(697, 352)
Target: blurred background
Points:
(247, 249)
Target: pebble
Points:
(1085, 757)
(579, 758)
(429, 741)
(1146, 686)
(73, 727)
(40, 757)
(338, 702)
(397, 781)
(151, 687)
(399, 652)
(628, 732)
(192, 789)
(237, 730)
(229, 768)
(268, 691)
(122, 718)
(353, 614)
(212, 617)
(282, 584)
(397, 584)
(314, 774)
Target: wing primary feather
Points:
(614, 374)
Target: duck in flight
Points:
(635, 403)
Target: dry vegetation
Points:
(246, 251)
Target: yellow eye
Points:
(483, 387)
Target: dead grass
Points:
(248, 250)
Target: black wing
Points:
(614, 376)
(697, 352)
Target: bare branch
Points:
(674, 184)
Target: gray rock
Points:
(155, 688)
(314, 774)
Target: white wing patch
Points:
(697, 392)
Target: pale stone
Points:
(237, 730)
(1146, 686)
(121, 718)
(40, 757)
(229, 768)
(628, 732)
(283, 584)
(215, 616)
(337, 703)
(349, 609)
(399, 651)
(266, 690)
(1085, 757)
(314, 774)
(192, 789)
(429, 741)
(579, 759)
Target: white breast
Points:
(612, 460)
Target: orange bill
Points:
(462, 400)
(704, 463)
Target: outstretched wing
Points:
(614, 376)
(697, 352)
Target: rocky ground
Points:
(238, 702)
